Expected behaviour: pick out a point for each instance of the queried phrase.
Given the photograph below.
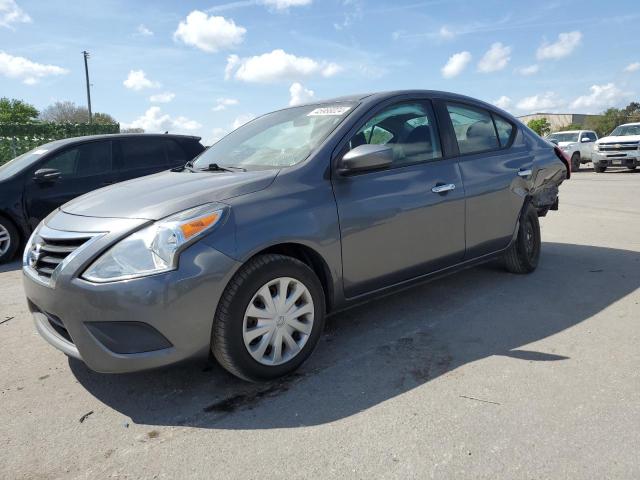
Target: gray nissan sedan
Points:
(298, 214)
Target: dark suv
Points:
(39, 181)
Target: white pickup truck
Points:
(621, 148)
(577, 145)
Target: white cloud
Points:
(503, 102)
(601, 96)
(210, 34)
(223, 103)
(445, 34)
(567, 43)
(632, 67)
(496, 58)
(153, 120)
(353, 11)
(164, 97)
(299, 94)
(137, 80)
(528, 70)
(275, 66)
(11, 13)
(285, 4)
(540, 102)
(456, 64)
(143, 31)
(25, 70)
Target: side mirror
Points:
(365, 158)
(47, 175)
(585, 139)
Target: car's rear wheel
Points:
(599, 169)
(269, 319)
(524, 253)
(575, 162)
(9, 240)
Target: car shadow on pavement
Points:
(380, 350)
(11, 266)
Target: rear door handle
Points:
(524, 172)
(443, 188)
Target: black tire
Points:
(14, 240)
(575, 162)
(227, 343)
(523, 255)
(599, 169)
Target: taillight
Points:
(560, 154)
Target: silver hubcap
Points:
(5, 240)
(278, 321)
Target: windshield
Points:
(625, 130)
(564, 137)
(278, 139)
(25, 160)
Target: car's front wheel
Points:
(9, 240)
(524, 253)
(269, 319)
(575, 162)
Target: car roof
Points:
(89, 138)
(378, 96)
(627, 124)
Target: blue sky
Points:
(205, 67)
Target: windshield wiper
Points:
(214, 167)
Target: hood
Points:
(157, 196)
(619, 139)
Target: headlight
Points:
(596, 147)
(154, 249)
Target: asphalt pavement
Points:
(482, 375)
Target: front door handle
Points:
(443, 188)
(525, 172)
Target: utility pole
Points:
(86, 73)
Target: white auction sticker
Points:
(40, 152)
(330, 111)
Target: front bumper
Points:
(134, 324)
(616, 159)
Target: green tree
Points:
(603, 124)
(103, 118)
(632, 111)
(69, 112)
(541, 126)
(572, 126)
(16, 111)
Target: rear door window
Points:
(504, 129)
(142, 153)
(474, 128)
(175, 153)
